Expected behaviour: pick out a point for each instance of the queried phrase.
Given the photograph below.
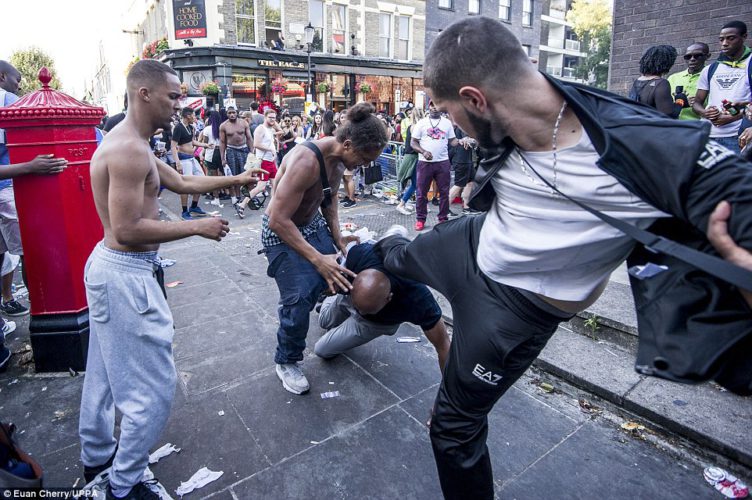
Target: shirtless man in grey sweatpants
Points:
(130, 365)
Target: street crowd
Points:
(524, 257)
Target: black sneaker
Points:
(90, 473)
(435, 202)
(470, 211)
(349, 203)
(453, 214)
(345, 200)
(141, 491)
(224, 197)
(14, 308)
(4, 359)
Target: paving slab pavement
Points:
(370, 442)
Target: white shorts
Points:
(10, 233)
(191, 167)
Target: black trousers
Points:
(497, 334)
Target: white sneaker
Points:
(8, 328)
(216, 203)
(292, 378)
(403, 210)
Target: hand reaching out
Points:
(725, 245)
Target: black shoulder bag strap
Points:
(322, 173)
(658, 244)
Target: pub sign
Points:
(190, 19)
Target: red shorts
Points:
(270, 167)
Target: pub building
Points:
(248, 74)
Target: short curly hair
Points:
(658, 60)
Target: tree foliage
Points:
(28, 62)
(591, 20)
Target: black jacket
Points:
(693, 327)
(665, 162)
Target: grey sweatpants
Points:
(129, 364)
(347, 328)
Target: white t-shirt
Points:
(548, 245)
(728, 83)
(434, 137)
(267, 141)
(210, 139)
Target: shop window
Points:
(385, 35)
(446, 4)
(527, 12)
(505, 10)
(403, 42)
(339, 29)
(473, 7)
(316, 17)
(245, 21)
(273, 31)
(248, 88)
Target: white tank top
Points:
(548, 245)
(267, 141)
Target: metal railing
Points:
(553, 70)
(572, 45)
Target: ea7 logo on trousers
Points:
(486, 376)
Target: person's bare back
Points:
(304, 166)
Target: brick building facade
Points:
(522, 17)
(640, 24)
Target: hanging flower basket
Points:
(279, 86)
(363, 87)
(209, 88)
(322, 88)
(154, 48)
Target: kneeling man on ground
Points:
(378, 304)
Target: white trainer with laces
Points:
(292, 378)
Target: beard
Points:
(484, 132)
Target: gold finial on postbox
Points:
(45, 77)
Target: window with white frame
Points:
(338, 43)
(473, 7)
(385, 35)
(316, 17)
(505, 10)
(245, 21)
(273, 16)
(527, 12)
(528, 49)
(403, 38)
(446, 4)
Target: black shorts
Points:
(210, 165)
(463, 173)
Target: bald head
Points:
(10, 77)
(371, 291)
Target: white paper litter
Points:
(166, 262)
(200, 479)
(221, 413)
(328, 395)
(167, 449)
(406, 340)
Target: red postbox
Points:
(58, 220)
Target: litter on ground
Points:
(200, 479)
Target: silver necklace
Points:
(553, 146)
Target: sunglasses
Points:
(687, 57)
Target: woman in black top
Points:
(651, 88)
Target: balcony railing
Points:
(556, 43)
(572, 45)
(560, 72)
